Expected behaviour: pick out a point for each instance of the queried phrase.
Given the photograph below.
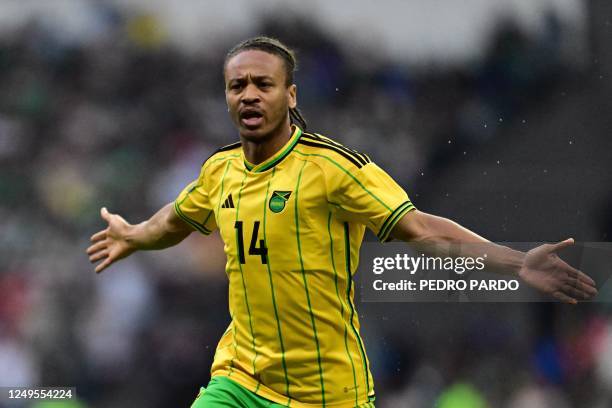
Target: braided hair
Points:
(274, 47)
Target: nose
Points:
(250, 95)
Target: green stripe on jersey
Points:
(347, 245)
(278, 325)
(246, 297)
(312, 319)
(348, 354)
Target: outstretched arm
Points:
(541, 267)
(120, 238)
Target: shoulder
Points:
(328, 152)
(228, 151)
(221, 155)
(218, 160)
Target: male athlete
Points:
(292, 208)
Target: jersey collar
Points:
(278, 156)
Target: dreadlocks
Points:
(274, 47)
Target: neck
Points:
(258, 151)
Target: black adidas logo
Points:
(228, 203)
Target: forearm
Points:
(164, 229)
(431, 234)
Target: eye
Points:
(235, 86)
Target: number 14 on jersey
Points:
(260, 250)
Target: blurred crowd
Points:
(126, 121)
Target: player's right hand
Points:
(110, 244)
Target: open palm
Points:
(110, 244)
(545, 271)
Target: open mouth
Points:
(251, 118)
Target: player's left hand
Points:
(544, 270)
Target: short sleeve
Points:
(193, 206)
(370, 196)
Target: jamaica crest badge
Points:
(278, 200)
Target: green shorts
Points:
(225, 393)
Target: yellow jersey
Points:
(292, 227)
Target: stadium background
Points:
(494, 114)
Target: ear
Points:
(292, 96)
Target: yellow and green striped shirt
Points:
(292, 228)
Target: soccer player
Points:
(292, 208)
